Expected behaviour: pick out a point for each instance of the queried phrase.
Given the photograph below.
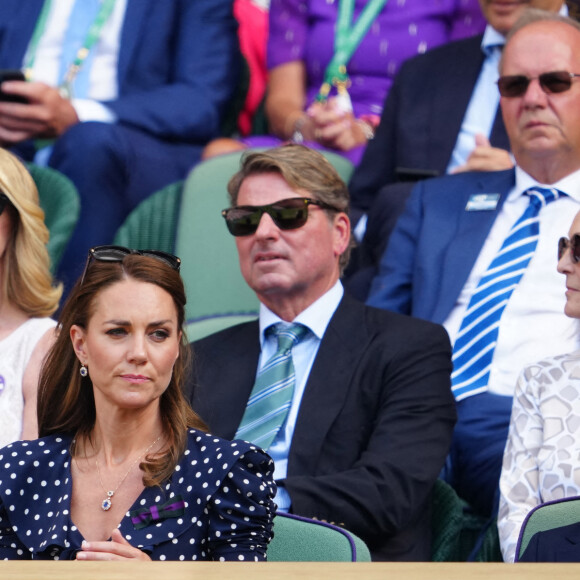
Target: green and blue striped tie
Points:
(271, 395)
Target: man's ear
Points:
(341, 233)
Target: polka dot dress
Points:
(226, 487)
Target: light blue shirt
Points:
(316, 317)
(484, 101)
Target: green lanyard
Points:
(92, 36)
(347, 40)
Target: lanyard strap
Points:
(347, 40)
(91, 38)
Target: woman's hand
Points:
(116, 549)
(334, 128)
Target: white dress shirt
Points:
(533, 325)
(103, 74)
(316, 317)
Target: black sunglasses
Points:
(573, 244)
(551, 82)
(118, 253)
(4, 201)
(287, 214)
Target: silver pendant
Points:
(107, 502)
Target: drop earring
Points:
(83, 371)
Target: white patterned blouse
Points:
(542, 456)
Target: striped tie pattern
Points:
(475, 344)
(271, 395)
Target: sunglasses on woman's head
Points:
(4, 201)
(118, 253)
(287, 214)
(573, 244)
(551, 82)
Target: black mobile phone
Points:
(11, 75)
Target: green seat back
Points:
(152, 224)
(298, 539)
(61, 204)
(446, 523)
(546, 517)
(217, 295)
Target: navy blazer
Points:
(422, 117)
(177, 62)
(556, 545)
(374, 425)
(435, 244)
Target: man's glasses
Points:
(118, 253)
(551, 82)
(4, 201)
(287, 214)
(573, 244)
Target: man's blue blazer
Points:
(177, 67)
(436, 243)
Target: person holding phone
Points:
(125, 93)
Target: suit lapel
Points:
(344, 342)
(468, 239)
(130, 34)
(233, 355)
(447, 114)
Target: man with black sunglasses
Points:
(366, 422)
(476, 251)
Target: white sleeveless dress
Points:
(15, 352)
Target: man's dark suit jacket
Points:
(374, 425)
(556, 545)
(421, 118)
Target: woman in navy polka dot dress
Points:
(124, 469)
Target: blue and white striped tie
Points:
(475, 343)
(271, 395)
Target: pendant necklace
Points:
(107, 503)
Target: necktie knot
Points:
(492, 50)
(288, 336)
(542, 196)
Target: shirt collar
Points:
(569, 184)
(492, 38)
(316, 317)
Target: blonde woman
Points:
(27, 299)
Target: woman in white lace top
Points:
(542, 455)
